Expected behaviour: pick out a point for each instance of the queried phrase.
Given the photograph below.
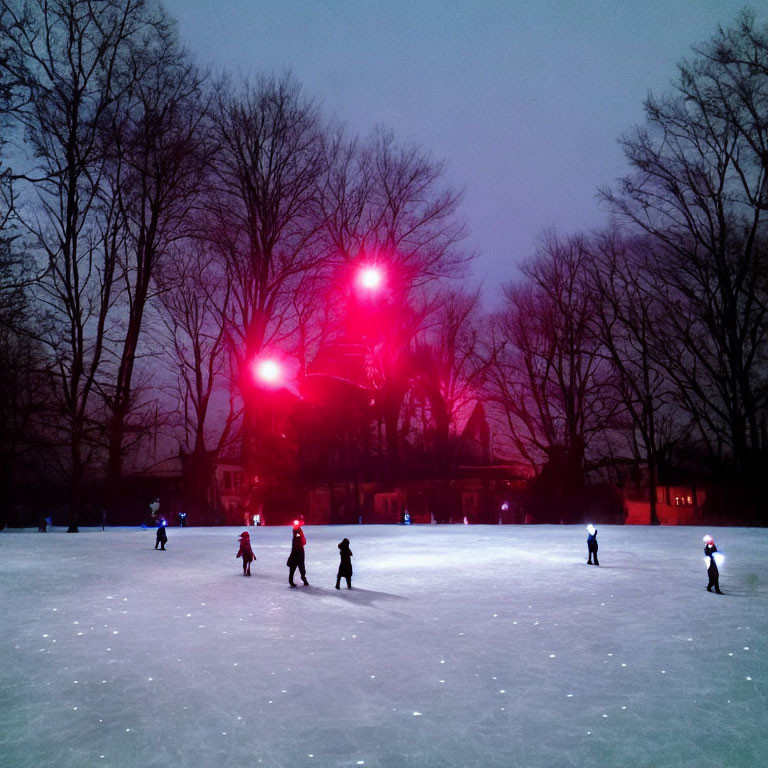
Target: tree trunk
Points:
(391, 413)
(114, 476)
(76, 487)
(654, 517)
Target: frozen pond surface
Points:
(472, 646)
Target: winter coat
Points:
(161, 534)
(297, 548)
(710, 550)
(345, 566)
(592, 541)
(245, 551)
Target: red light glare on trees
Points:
(370, 278)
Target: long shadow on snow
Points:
(354, 595)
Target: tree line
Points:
(161, 227)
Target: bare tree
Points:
(196, 294)
(389, 204)
(628, 312)
(736, 65)
(154, 177)
(263, 218)
(68, 58)
(23, 388)
(447, 374)
(548, 373)
(699, 190)
(23, 384)
(393, 329)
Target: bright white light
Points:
(268, 371)
(591, 529)
(719, 559)
(707, 539)
(370, 278)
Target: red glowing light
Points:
(370, 278)
(295, 523)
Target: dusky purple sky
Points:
(525, 99)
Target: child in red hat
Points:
(246, 552)
(296, 558)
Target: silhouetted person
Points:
(712, 571)
(162, 536)
(246, 552)
(296, 558)
(345, 566)
(592, 544)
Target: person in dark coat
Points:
(592, 544)
(712, 570)
(296, 558)
(246, 552)
(162, 536)
(345, 566)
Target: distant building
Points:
(225, 498)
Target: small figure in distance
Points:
(712, 570)
(592, 544)
(296, 558)
(162, 536)
(345, 566)
(246, 552)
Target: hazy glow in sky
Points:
(524, 99)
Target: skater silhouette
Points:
(712, 570)
(345, 566)
(592, 544)
(296, 558)
(246, 552)
(162, 536)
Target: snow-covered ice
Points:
(458, 646)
